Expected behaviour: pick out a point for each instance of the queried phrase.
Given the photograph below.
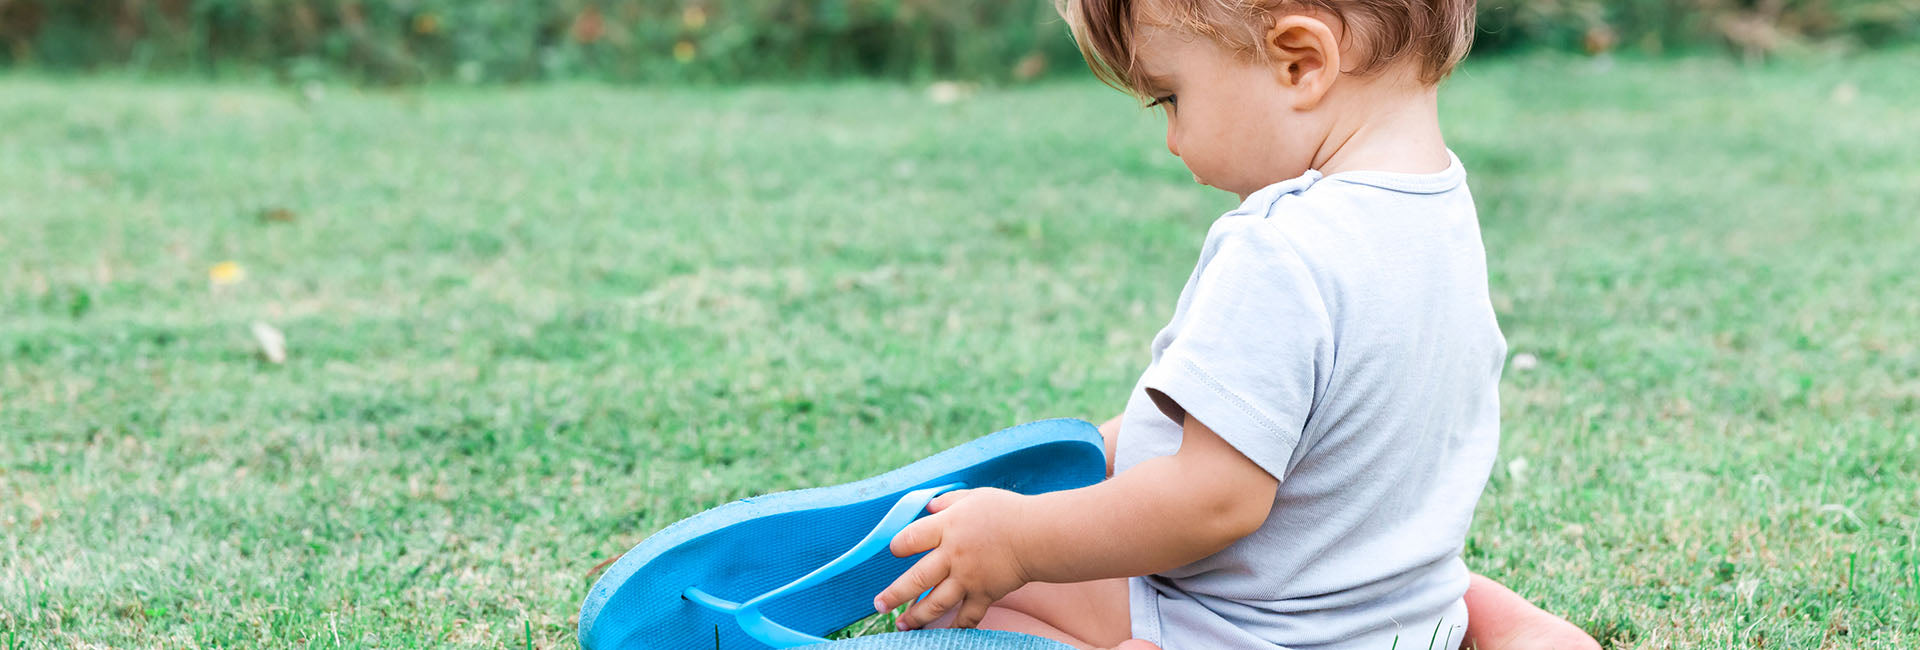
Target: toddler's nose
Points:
(1173, 146)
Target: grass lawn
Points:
(527, 327)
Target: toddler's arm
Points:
(1163, 513)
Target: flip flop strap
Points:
(758, 626)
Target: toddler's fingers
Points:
(944, 597)
(917, 537)
(923, 575)
(947, 499)
(972, 611)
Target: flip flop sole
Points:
(752, 546)
(945, 640)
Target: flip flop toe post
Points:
(782, 570)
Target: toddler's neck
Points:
(1387, 122)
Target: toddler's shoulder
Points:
(1252, 261)
(1275, 230)
(1294, 212)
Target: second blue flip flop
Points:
(946, 640)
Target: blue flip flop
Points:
(781, 570)
(946, 640)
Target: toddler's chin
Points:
(1202, 181)
(1223, 188)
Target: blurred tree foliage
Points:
(402, 41)
(1753, 28)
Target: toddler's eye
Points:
(1170, 101)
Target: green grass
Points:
(528, 327)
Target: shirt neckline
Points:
(1438, 182)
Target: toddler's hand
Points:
(972, 562)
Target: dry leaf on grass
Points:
(273, 344)
(225, 274)
(1524, 362)
(1517, 470)
(948, 92)
(1845, 93)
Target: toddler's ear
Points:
(1305, 56)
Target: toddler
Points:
(1298, 464)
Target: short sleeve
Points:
(1252, 340)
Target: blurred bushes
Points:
(512, 40)
(401, 41)
(1753, 28)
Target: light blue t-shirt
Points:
(1337, 331)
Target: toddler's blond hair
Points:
(1434, 33)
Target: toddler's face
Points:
(1230, 120)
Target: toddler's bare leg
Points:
(1498, 619)
(1093, 614)
(1110, 432)
(1086, 615)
